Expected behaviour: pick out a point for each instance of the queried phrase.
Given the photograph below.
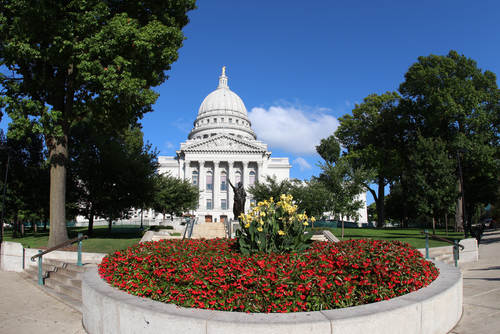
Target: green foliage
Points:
(27, 193)
(344, 183)
(312, 197)
(329, 149)
(449, 99)
(273, 228)
(270, 187)
(174, 195)
(373, 137)
(110, 172)
(71, 60)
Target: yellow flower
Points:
(262, 214)
(305, 223)
(261, 222)
(313, 219)
(247, 225)
(259, 229)
(280, 232)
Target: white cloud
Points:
(302, 163)
(167, 146)
(295, 129)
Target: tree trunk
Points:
(58, 159)
(109, 226)
(91, 221)
(380, 203)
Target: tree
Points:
(329, 149)
(174, 196)
(312, 197)
(270, 187)
(112, 173)
(27, 186)
(344, 183)
(374, 138)
(431, 179)
(70, 60)
(450, 98)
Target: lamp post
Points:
(464, 222)
(4, 147)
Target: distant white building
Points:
(222, 146)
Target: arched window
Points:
(251, 179)
(195, 178)
(237, 178)
(223, 181)
(209, 181)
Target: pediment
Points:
(223, 143)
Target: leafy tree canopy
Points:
(270, 187)
(70, 60)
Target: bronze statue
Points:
(240, 197)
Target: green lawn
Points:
(409, 235)
(123, 237)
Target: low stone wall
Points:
(470, 253)
(434, 309)
(15, 257)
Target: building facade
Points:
(222, 148)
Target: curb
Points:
(436, 308)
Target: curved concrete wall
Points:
(434, 309)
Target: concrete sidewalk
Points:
(481, 306)
(27, 309)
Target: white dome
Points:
(222, 99)
(222, 111)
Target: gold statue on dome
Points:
(224, 71)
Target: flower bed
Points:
(209, 274)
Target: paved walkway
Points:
(481, 310)
(26, 309)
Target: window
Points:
(215, 120)
(208, 121)
(223, 181)
(209, 204)
(237, 121)
(209, 181)
(195, 178)
(251, 180)
(237, 178)
(223, 204)
(230, 120)
(222, 120)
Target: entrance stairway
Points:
(61, 279)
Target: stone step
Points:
(71, 291)
(61, 279)
(76, 304)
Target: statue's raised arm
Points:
(231, 184)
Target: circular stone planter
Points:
(436, 308)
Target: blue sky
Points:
(300, 65)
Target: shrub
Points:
(273, 227)
(209, 274)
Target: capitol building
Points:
(222, 147)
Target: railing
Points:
(189, 228)
(64, 244)
(456, 245)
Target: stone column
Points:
(245, 181)
(230, 176)
(202, 181)
(187, 169)
(216, 186)
(260, 166)
(181, 168)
